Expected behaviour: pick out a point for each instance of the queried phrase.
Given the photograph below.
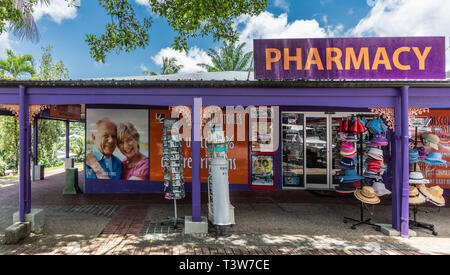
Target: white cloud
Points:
(282, 4)
(58, 10)
(189, 60)
(142, 2)
(5, 44)
(406, 18)
(267, 25)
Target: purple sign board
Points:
(350, 58)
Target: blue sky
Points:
(65, 29)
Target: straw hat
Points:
(415, 197)
(367, 195)
(430, 140)
(417, 178)
(433, 195)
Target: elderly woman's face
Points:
(128, 145)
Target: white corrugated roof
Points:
(219, 76)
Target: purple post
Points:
(404, 227)
(23, 109)
(396, 186)
(28, 168)
(35, 141)
(67, 139)
(196, 160)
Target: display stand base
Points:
(428, 226)
(359, 222)
(173, 220)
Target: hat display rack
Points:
(173, 167)
(418, 191)
(362, 191)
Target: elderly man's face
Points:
(106, 138)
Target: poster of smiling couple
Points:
(117, 144)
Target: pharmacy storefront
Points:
(313, 103)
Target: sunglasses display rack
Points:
(414, 223)
(360, 155)
(173, 168)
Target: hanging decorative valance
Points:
(33, 110)
(388, 114)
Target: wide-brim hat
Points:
(415, 197)
(434, 158)
(367, 195)
(380, 188)
(349, 156)
(345, 188)
(416, 177)
(378, 138)
(350, 176)
(376, 126)
(430, 140)
(347, 163)
(375, 153)
(433, 194)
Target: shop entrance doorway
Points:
(309, 147)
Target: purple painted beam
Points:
(196, 160)
(404, 220)
(22, 151)
(67, 138)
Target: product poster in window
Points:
(262, 170)
(117, 144)
(436, 123)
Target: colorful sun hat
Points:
(367, 195)
(350, 176)
(430, 140)
(375, 153)
(414, 156)
(357, 127)
(417, 178)
(345, 188)
(422, 152)
(376, 126)
(434, 158)
(433, 195)
(379, 140)
(347, 149)
(347, 163)
(342, 136)
(380, 189)
(415, 197)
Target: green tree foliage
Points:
(49, 132)
(17, 14)
(49, 70)
(188, 18)
(228, 58)
(9, 143)
(77, 143)
(170, 66)
(17, 65)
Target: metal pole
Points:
(67, 138)
(404, 219)
(23, 109)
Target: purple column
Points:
(23, 110)
(396, 186)
(196, 160)
(28, 164)
(35, 141)
(404, 227)
(67, 138)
